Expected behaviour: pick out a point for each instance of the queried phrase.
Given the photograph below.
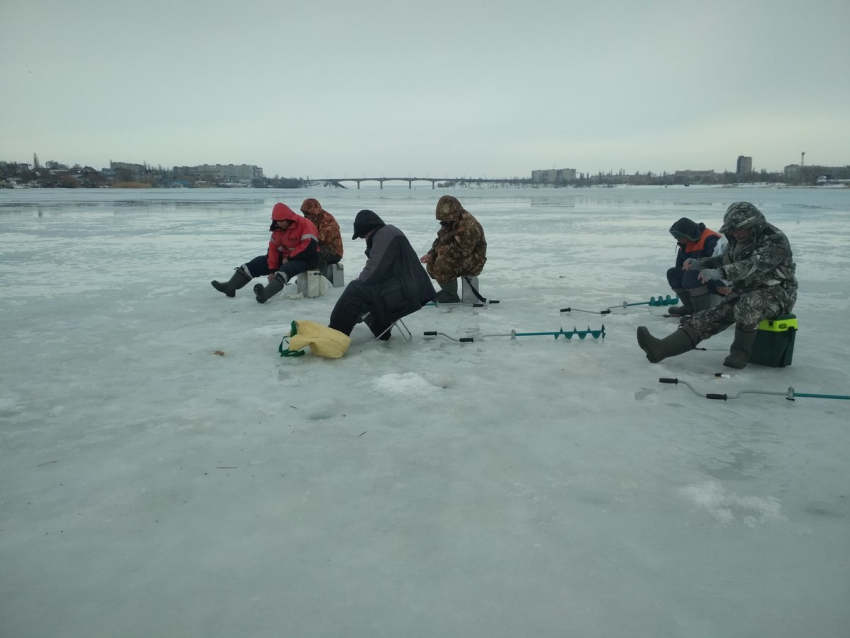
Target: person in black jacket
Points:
(392, 285)
(695, 241)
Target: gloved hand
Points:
(692, 264)
(708, 274)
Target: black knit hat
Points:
(366, 221)
(686, 228)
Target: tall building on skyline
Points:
(745, 165)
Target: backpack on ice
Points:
(323, 341)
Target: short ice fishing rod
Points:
(661, 301)
(790, 394)
(513, 334)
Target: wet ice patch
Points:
(408, 384)
(10, 405)
(727, 507)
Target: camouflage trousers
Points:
(443, 269)
(746, 308)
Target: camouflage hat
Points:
(449, 209)
(741, 215)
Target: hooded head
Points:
(311, 208)
(365, 222)
(686, 230)
(742, 216)
(281, 213)
(449, 209)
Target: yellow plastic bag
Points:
(323, 341)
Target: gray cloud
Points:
(436, 87)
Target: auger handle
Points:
(493, 301)
(430, 333)
(668, 380)
(721, 397)
(605, 312)
(565, 309)
(465, 339)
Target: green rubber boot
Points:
(686, 308)
(742, 346)
(683, 340)
(263, 294)
(448, 292)
(701, 302)
(237, 281)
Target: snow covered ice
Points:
(528, 487)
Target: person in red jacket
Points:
(293, 249)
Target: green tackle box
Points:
(774, 345)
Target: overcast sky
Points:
(426, 87)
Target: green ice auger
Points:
(513, 334)
(661, 301)
(790, 394)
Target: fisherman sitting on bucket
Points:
(759, 263)
(459, 250)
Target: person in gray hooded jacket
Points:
(392, 284)
(759, 263)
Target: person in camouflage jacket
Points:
(759, 263)
(330, 238)
(459, 250)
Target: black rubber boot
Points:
(380, 332)
(237, 281)
(657, 350)
(448, 292)
(263, 294)
(742, 346)
(686, 308)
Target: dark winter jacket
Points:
(700, 248)
(392, 272)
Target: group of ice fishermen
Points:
(742, 274)
(392, 284)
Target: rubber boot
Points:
(263, 294)
(448, 292)
(683, 340)
(701, 302)
(686, 308)
(237, 281)
(742, 346)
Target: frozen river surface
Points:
(149, 487)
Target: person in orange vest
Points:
(695, 242)
(293, 249)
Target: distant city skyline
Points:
(435, 87)
(743, 164)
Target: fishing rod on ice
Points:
(661, 301)
(790, 394)
(513, 334)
